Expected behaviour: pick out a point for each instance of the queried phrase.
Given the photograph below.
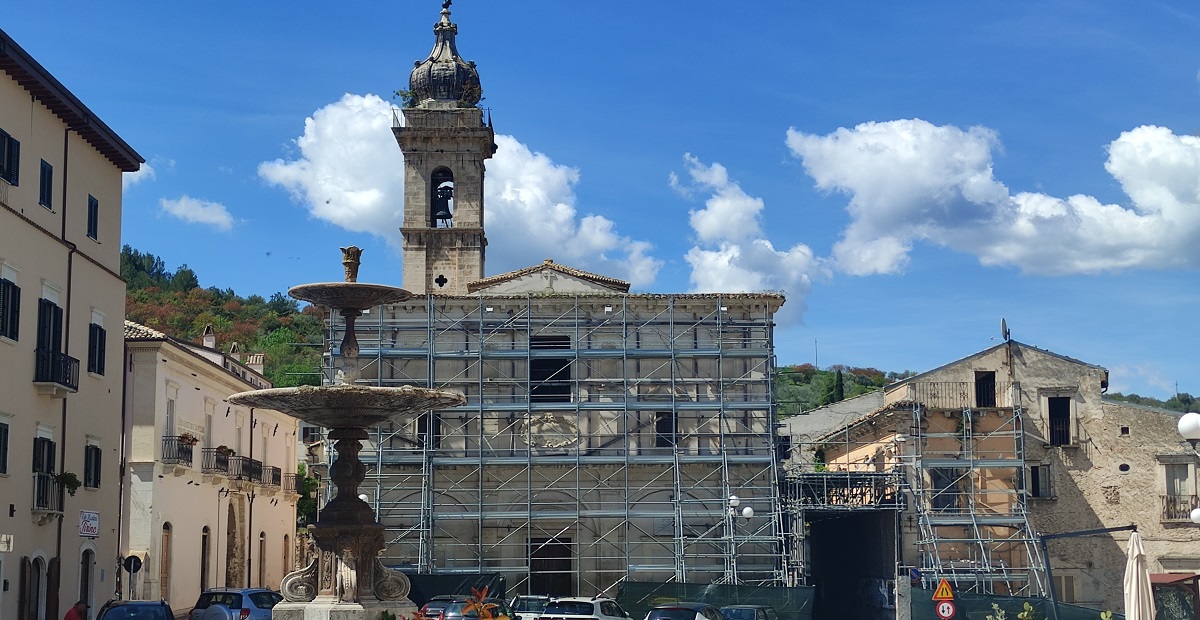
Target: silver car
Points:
(235, 604)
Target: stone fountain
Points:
(347, 581)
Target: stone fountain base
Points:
(330, 609)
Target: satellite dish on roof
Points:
(1004, 330)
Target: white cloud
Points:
(349, 171)
(909, 180)
(196, 211)
(144, 173)
(732, 254)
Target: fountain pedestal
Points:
(347, 580)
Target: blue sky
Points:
(909, 173)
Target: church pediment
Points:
(548, 277)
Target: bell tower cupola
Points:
(445, 141)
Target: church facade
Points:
(604, 430)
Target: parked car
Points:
(684, 611)
(529, 606)
(135, 610)
(455, 607)
(235, 604)
(749, 612)
(576, 608)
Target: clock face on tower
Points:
(549, 430)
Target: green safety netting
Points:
(637, 597)
(979, 607)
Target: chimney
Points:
(209, 340)
(255, 362)
(235, 351)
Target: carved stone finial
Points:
(351, 257)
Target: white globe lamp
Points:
(1195, 516)
(734, 501)
(1189, 428)
(749, 512)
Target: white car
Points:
(575, 608)
(529, 606)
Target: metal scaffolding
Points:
(601, 438)
(967, 477)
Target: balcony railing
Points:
(215, 461)
(245, 468)
(272, 476)
(290, 482)
(55, 368)
(1179, 507)
(176, 452)
(961, 394)
(47, 494)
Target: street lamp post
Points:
(1189, 428)
(731, 516)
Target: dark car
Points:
(684, 611)
(235, 604)
(135, 610)
(749, 612)
(433, 608)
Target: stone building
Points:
(604, 430)
(62, 302)
(211, 494)
(963, 468)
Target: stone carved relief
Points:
(301, 586)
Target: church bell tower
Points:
(445, 141)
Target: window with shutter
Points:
(10, 309)
(93, 218)
(91, 466)
(10, 158)
(3, 448)
(46, 188)
(43, 455)
(96, 348)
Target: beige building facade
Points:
(211, 492)
(62, 303)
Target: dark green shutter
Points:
(3, 448)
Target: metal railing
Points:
(961, 394)
(245, 468)
(47, 493)
(1179, 507)
(55, 367)
(291, 483)
(272, 476)
(215, 461)
(176, 451)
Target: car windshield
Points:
(530, 604)
(672, 613)
(738, 613)
(570, 608)
(136, 612)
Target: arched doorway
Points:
(164, 563)
(35, 588)
(205, 540)
(287, 566)
(87, 569)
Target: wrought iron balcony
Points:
(291, 482)
(47, 493)
(245, 468)
(177, 451)
(216, 461)
(272, 476)
(1179, 507)
(55, 373)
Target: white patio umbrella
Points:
(1139, 595)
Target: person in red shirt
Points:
(78, 611)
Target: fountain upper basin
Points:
(349, 295)
(348, 406)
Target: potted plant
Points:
(188, 439)
(68, 481)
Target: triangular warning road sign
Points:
(943, 592)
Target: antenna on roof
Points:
(1004, 330)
